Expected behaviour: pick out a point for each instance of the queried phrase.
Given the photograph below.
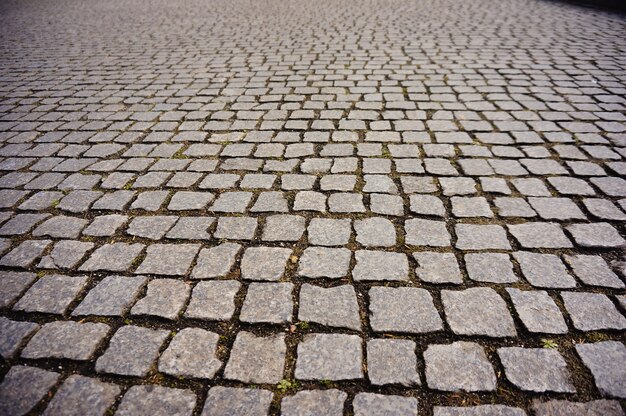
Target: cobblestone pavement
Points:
(312, 208)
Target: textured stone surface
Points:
(477, 311)
(157, 400)
(370, 404)
(23, 387)
(191, 353)
(384, 172)
(237, 402)
(132, 351)
(256, 359)
(607, 362)
(329, 357)
(403, 309)
(322, 402)
(71, 340)
(535, 369)
(460, 366)
(79, 395)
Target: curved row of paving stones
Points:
(296, 208)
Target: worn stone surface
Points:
(256, 359)
(460, 366)
(71, 340)
(384, 172)
(477, 311)
(607, 362)
(535, 369)
(164, 298)
(237, 402)
(403, 309)
(370, 404)
(191, 353)
(156, 400)
(329, 357)
(322, 402)
(132, 351)
(565, 408)
(23, 387)
(335, 306)
(79, 395)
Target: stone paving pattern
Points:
(366, 207)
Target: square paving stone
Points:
(21, 224)
(427, 205)
(477, 311)
(429, 233)
(481, 237)
(153, 400)
(482, 410)
(460, 366)
(216, 261)
(490, 267)
(544, 270)
(152, 227)
(164, 298)
(371, 404)
(470, 207)
(191, 354)
(592, 311)
(387, 204)
(112, 296)
(556, 208)
(438, 268)
(115, 257)
(190, 201)
(51, 294)
(283, 228)
(345, 203)
(70, 340)
(309, 201)
(607, 362)
(237, 402)
(23, 388)
(593, 271)
(537, 311)
(267, 303)
(375, 232)
(329, 232)
(80, 395)
(61, 227)
(317, 262)
(539, 235)
(191, 228)
(536, 369)
(403, 309)
(213, 301)
(567, 408)
(65, 255)
(105, 225)
(232, 202)
(13, 334)
(264, 263)
(314, 402)
(392, 361)
(132, 351)
(335, 306)
(380, 265)
(329, 357)
(12, 285)
(257, 359)
(150, 200)
(168, 259)
(25, 254)
(236, 228)
(596, 235)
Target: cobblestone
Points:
(274, 200)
